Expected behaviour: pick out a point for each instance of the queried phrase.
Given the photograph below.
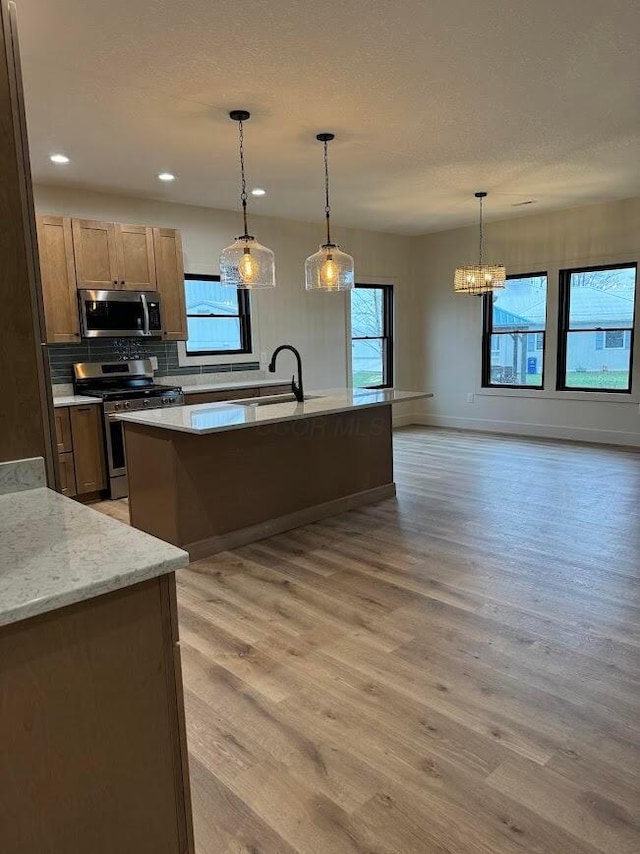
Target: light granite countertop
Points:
(204, 418)
(74, 400)
(55, 552)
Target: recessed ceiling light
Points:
(59, 158)
(166, 176)
(258, 191)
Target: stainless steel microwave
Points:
(120, 314)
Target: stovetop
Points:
(128, 392)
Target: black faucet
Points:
(297, 389)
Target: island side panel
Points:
(91, 712)
(239, 480)
(151, 471)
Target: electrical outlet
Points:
(154, 362)
(469, 397)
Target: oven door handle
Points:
(145, 314)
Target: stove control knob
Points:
(116, 406)
(166, 400)
(127, 405)
(145, 403)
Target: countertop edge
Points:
(49, 604)
(134, 418)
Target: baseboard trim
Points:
(223, 542)
(404, 420)
(541, 431)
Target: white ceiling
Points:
(430, 100)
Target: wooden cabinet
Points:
(136, 262)
(88, 448)
(220, 396)
(92, 717)
(67, 475)
(94, 255)
(58, 277)
(94, 247)
(167, 244)
(80, 443)
(268, 390)
(234, 394)
(63, 430)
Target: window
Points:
(372, 336)
(597, 309)
(218, 319)
(514, 333)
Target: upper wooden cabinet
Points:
(167, 245)
(105, 256)
(136, 263)
(58, 277)
(94, 246)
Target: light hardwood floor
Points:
(453, 671)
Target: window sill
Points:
(552, 394)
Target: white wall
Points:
(315, 323)
(447, 346)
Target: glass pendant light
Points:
(246, 264)
(329, 269)
(479, 278)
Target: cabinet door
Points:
(88, 448)
(67, 475)
(167, 244)
(58, 277)
(136, 264)
(63, 430)
(94, 246)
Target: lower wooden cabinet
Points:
(67, 472)
(94, 753)
(234, 394)
(88, 448)
(81, 457)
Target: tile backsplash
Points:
(62, 357)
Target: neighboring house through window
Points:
(372, 336)
(514, 333)
(218, 318)
(597, 310)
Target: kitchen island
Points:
(214, 476)
(93, 752)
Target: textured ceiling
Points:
(430, 100)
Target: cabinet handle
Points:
(84, 409)
(115, 281)
(122, 282)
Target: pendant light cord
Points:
(327, 206)
(481, 234)
(243, 194)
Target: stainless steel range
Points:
(122, 386)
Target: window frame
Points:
(244, 317)
(488, 332)
(564, 308)
(386, 337)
